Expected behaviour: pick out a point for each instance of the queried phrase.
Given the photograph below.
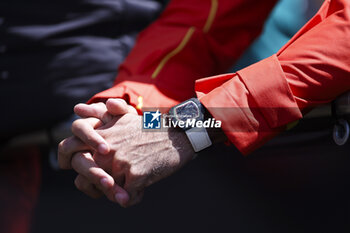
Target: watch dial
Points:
(187, 110)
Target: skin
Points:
(112, 155)
(115, 157)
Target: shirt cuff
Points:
(253, 105)
(138, 94)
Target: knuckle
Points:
(63, 154)
(133, 173)
(76, 159)
(78, 184)
(77, 124)
(136, 172)
(62, 147)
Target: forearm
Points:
(192, 39)
(257, 103)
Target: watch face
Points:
(187, 110)
(186, 114)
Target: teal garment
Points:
(285, 20)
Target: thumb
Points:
(118, 107)
(96, 110)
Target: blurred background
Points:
(299, 186)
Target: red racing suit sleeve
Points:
(197, 38)
(311, 69)
(191, 39)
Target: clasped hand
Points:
(114, 157)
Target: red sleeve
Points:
(313, 68)
(191, 39)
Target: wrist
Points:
(181, 143)
(216, 135)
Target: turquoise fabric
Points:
(285, 20)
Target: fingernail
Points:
(103, 149)
(105, 183)
(121, 198)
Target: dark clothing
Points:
(54, 54)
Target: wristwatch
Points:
(186, 116)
